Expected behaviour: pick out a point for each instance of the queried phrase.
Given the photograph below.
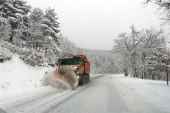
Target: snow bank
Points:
(153, 92)
(16, 76)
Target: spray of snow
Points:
(49, 79)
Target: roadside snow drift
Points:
(16, 76)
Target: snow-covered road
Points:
(105, 94)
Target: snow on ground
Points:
(153, 92)
(17, 77)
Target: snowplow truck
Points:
(80, 65)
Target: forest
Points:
(144, 53)
(35, 35)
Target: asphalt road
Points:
(100, 97)
(107, 94)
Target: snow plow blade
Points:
(64, 78)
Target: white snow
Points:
(17, 77)
(152, 92)
(137, 95)
(20, 82)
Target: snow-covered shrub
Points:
(33, 58)
(5, 54)
(46, 78)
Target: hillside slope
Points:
(16, 76)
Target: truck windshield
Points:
(70, 61)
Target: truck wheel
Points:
(88, 78)
(84, 80)
(81, 81)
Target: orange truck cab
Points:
(81, 66)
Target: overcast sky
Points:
(95, 23)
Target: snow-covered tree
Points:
(43, 27)
(35, 31)
(164, 6)
(158, 63)
(127, 45)
(151, 39)
(15, 12)
(36, 38)
(133, 48)
(42, 36)
(4, 29)
(50, 24)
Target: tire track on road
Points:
(31, 100)
(70, 96)
(46, 102)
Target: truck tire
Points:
(87, 78)
(84, 79)
(81, 81)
